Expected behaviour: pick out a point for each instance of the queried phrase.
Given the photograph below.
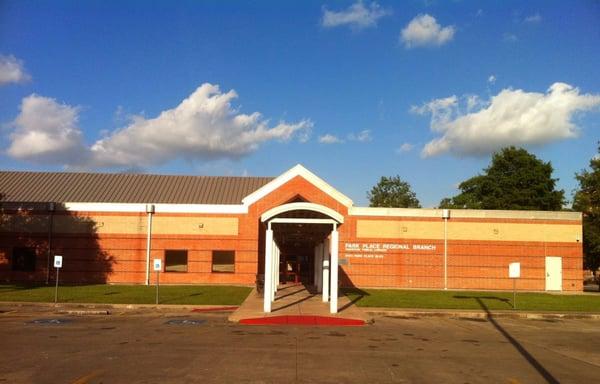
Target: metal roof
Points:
(62, 187)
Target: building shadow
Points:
(295, 302)
(31, 234)
(349, 289)
(530, 359)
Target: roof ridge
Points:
(132, 174)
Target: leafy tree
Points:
(515, 179)
(393, 192)
(587, 201)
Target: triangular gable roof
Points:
(297, 170)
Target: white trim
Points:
(302, 206)
(395, 212)
(289, 220)
(464, 213)
(159, 208)
(201, 208)
(298, 170)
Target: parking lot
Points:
(131, 346)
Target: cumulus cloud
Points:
(512, 117)
(357, 16)
(405, 147)
(424, 30)
(12, 70)
(46, 131)
(533, 19)
(203, 126)
(329, 139)
(362, 136)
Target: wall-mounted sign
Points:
(385, 247)
(58, 261)
(514, 270)
(378, 250)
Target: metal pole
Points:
(157, 284)
(149, 210)
(445, 253)
(56, 288)
(514, 293)
(50, 229)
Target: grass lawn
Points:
(128, 294)
(392, 298)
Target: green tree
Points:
(587, 201)
(515, 179)
(393, 192)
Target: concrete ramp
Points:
(293, 300)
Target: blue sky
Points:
(352, 90)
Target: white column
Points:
(319, 269)
(315, 265)
(333, 304)
(273, 279)
(277, 261)
(268, 288)
(325, 281)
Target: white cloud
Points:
(512, 117)
(356, 16)
(533, 19)
(362, 136)
(12, 70)
(329, 139)
(203, 126)
(405, 147)
(46, 131)
(425, 30)
(510, 38)
(492, 79)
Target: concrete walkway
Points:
(296, 299)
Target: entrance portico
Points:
(309, 232)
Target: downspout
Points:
(445, 216)
(51, 209)
(149, 211)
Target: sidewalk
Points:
(475, 314)
(350, 311)
(296, 300)
(105, 309)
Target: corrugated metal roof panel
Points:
(125, 188)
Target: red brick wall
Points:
(471, 264)
(120, 258)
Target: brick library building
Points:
(291, 228)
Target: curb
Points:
(83, 313)
(103, 308)
(453, 314)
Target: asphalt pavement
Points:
(179, 346)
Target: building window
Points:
(176, 261)
(23, 259)
(223, 261)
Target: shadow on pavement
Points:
(534, 363)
